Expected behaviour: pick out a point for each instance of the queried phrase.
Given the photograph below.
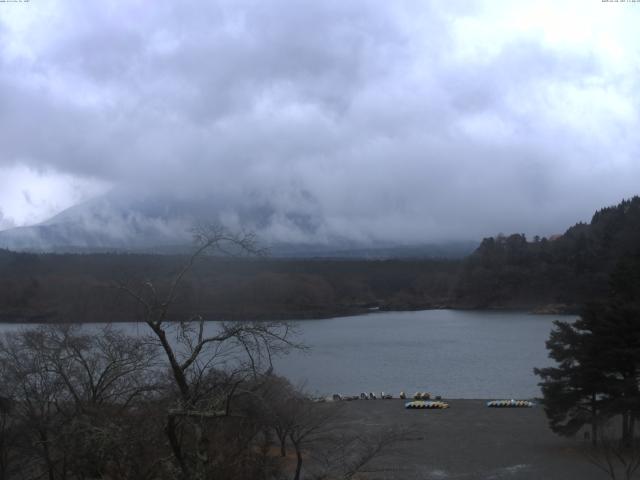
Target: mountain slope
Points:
(136, 222)
(130, 220)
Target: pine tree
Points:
(598, 356)
(575, 392)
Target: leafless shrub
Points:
(351, 455)
(612, 456)
(72, 395)
(206, 368)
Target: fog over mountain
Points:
(358, 123)
(137, 222)
(124, 218)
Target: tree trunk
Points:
(298, 463)
(178, 373)
(47, 455)
(594, 421)
(625, 430)
(283, 446)
(202, 452)
(170, 431)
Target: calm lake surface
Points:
(456, 354)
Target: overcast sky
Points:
(391, 120)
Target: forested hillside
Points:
(569, 270)
(546, 275)
(85, 287)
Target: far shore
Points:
(546, 309)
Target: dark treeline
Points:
(50, 287)
(567, 271)
(556, 274)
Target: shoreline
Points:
(535, 400)
(467, 440)
(542, 310)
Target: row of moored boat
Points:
(426, 404)
(510, 404)
(492, 404)
(422, 400)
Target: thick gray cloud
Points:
(394, 121)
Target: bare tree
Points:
(242, 348)
(308, 424)
(35, 392)
(70, 393)
(97, 368)
(349, 455)
(277, 395)
(618, 459)
(317, 433)
(8, 435)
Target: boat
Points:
(422, 396)
(510, 404)
(426, 404)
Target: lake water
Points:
(456, 354)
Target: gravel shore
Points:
(469, 441)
